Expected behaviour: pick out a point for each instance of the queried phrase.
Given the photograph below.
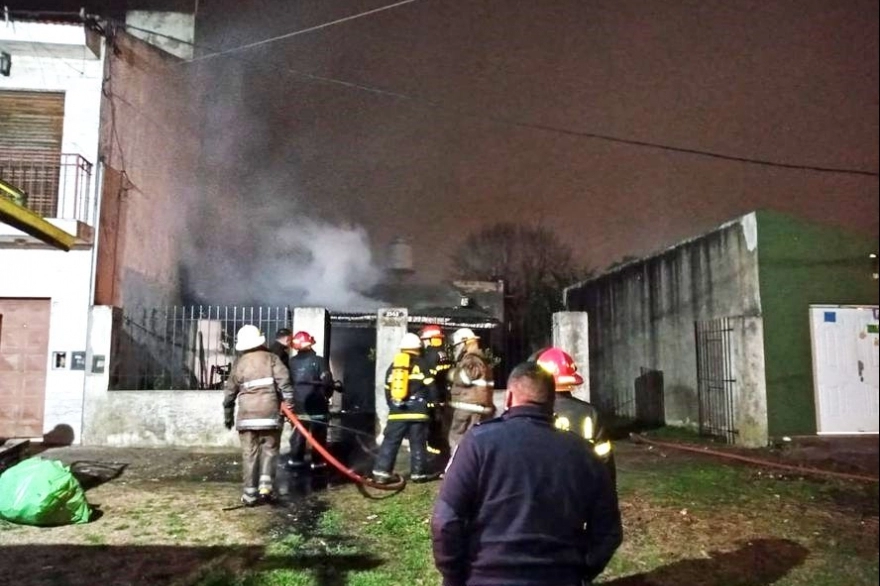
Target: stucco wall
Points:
(149, 142)
(63, 277)
(61, 62)
(642, 316)
(802, 263)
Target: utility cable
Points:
(421, 101)
(302, 31)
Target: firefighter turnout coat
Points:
(258, 382)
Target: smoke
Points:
(267, 252)
(257, 235)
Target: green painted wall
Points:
(800, 264)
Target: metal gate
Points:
(716, 384)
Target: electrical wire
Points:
(426, 102)
(302, 31)
(546, 128)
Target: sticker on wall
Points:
(873, 329)
(831, 317)
(77, 361)
(59, 360)
(98, 364)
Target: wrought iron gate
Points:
(716, 383)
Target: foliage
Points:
(535, 266)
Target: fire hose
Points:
(639, 439)
(396, 485)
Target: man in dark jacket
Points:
(281, 346)
(312, 389)
(522, 502)
(257, 382)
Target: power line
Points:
(507, 121)
(302, 31)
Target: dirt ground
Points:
(171, 517)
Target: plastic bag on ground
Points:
(42, 492)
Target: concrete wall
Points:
(62, 277)
(642, 316)
(571, 333)
(390, 328)
(144, 418)
(54, 57)
(802, 263)
(150, 145)
(176, 25)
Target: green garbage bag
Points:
(42, 492)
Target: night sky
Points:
(793, 81)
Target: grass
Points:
(687, 520)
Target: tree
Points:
(535, 265)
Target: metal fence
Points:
(56, 186)
(716, 383)
(187, 348)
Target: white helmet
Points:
(410, 341)
(248, 338)
(463, 335)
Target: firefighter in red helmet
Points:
(571, 413)
(313, 387)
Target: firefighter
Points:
(281, 346)
(258, 381)
(312, 389)
(409, 388)
(573, 414)
(472, 386)
(439, 362)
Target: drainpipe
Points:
(96, 219)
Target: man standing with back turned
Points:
(524, 503)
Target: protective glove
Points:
(229, 418)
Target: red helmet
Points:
(430, 331)
(561, 365)
(302, 340)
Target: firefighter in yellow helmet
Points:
(472, 385)
(409, 389)
(571, 413)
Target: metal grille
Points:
(716, 385)
(55, 186)
(188, 348)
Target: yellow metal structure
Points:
(23, 219)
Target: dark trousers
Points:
(259, 450)
(395, 431)
(317, 428)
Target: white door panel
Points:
(846, 359)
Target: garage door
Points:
(24, 346)
(845, 368)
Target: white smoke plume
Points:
(253, 236)
(260, 249)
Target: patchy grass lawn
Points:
(689, 520)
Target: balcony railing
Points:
(55, 186)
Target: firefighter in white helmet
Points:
(257, 381)
(409, 389)
(472, 385)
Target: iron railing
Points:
(716, 382)
(55, 186)
(187, 348)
